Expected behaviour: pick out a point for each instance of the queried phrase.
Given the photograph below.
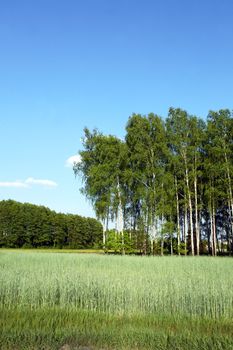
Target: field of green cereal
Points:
(115, 302)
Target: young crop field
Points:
(115, 302)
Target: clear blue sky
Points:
(69, 64)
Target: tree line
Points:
(167, 185)
(31, 226)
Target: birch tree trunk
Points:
(120, 220)
(214, 232)
(178, 216)
(211, 232)
(104, 223)
(230, 191)
(190, 205)
(153, 234)
(162, 238)
(185, 226)
(213, 228)
(197, 227)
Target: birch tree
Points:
(146, 144)
(167, 182)
(101, 170)
(178, 128)
(219, 167)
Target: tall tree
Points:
(219, 163)
(178, 128)
(102, 171)
(147, 157)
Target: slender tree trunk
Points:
(162, 239)
(162, 244)
(197, 227)
(214, 232)
(211, 224)
(120, 220)
(182, 231)
(230, 198)
(229, 182)
(185, 227)
(190, 205)
(229, 230)
(212, 227)
(211, 232)
(191, 222)
(190, 219)
(178, 216)
(104, 223)
(230, 192)
(153, 233)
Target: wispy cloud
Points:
(15, 184)
(71, 161)
(41, 182)
(29, 182)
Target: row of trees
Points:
(168, 184)
(27, 225)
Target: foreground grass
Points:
(51, 328)
(108, 302)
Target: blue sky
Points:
(69, 64)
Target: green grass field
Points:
(115, 302)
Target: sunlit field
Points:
(115, 302)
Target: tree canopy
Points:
(167, 185)
(28, 225)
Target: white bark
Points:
(211, 233)
(190, 207)
(214, 232)
(196, 218)
(120, 218)
(104, 223)
(162, 238)
(230, 191)
(212, 228)
(185, 228)
(178, 216)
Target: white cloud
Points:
(15, 184)
(71, 161)
(41, 182)
(29, 182)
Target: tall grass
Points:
(112, 284)
(119, 288)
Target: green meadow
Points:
(115, 302)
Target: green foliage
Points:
(101, 170)
(31, 226)
(122, 243)
(170, 179)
